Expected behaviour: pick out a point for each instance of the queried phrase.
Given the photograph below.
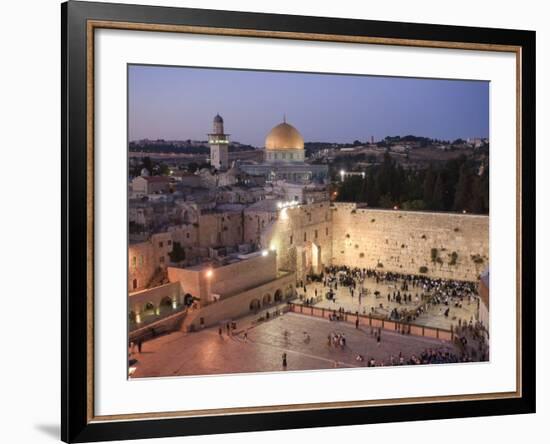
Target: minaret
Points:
(219, 143)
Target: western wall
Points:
(446, 245)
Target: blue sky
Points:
(180, 103)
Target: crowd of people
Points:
(414, 295)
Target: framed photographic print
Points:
(276, 221)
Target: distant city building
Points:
(400, 148)
(347, 174)
(144, 185)
(477, 142)
(219, 145)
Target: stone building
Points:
(219, 145)
(144, 185)
(301, 235)
(147, 260)
(241, 284)
(284, 158)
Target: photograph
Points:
(283, 221)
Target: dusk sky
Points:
(179, 103)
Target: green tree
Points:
(428, 186)
(437, 196)
(462, 193)
(178, 253)
(386, 201)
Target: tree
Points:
(462, 190)
(372, 195)
(437, 197)
(428, 186)
(178, 253)
(386, 201)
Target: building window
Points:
(305, 236)
(140, 260)
(134, 262)
(169, 242)
(326, 231)
(316, 234)
(161, 244)
(134, 284)
(187, 235)
(161, 259)
(291, 239)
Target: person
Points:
(357, 322)
(220, 331)
(245, 335)
(284, 361)
(139, 342)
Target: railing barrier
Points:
(401, 327)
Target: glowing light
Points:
(138, 319)
(396, 208)
(464, 211)
(284, 214)
(265, 253)
(287, 204)
(209, 273)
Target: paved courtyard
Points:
(303, 338)
(434, 317)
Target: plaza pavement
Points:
(432, 318)
(207, 353)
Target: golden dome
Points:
(284, 137)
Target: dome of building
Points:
(284, 137)
(218, 119)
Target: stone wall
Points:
(220, 228)
(449, 245)
(138, 300)
(249, 301)
(227, 280)
(298, 235)
(146, 258)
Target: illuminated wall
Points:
(448, 245)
